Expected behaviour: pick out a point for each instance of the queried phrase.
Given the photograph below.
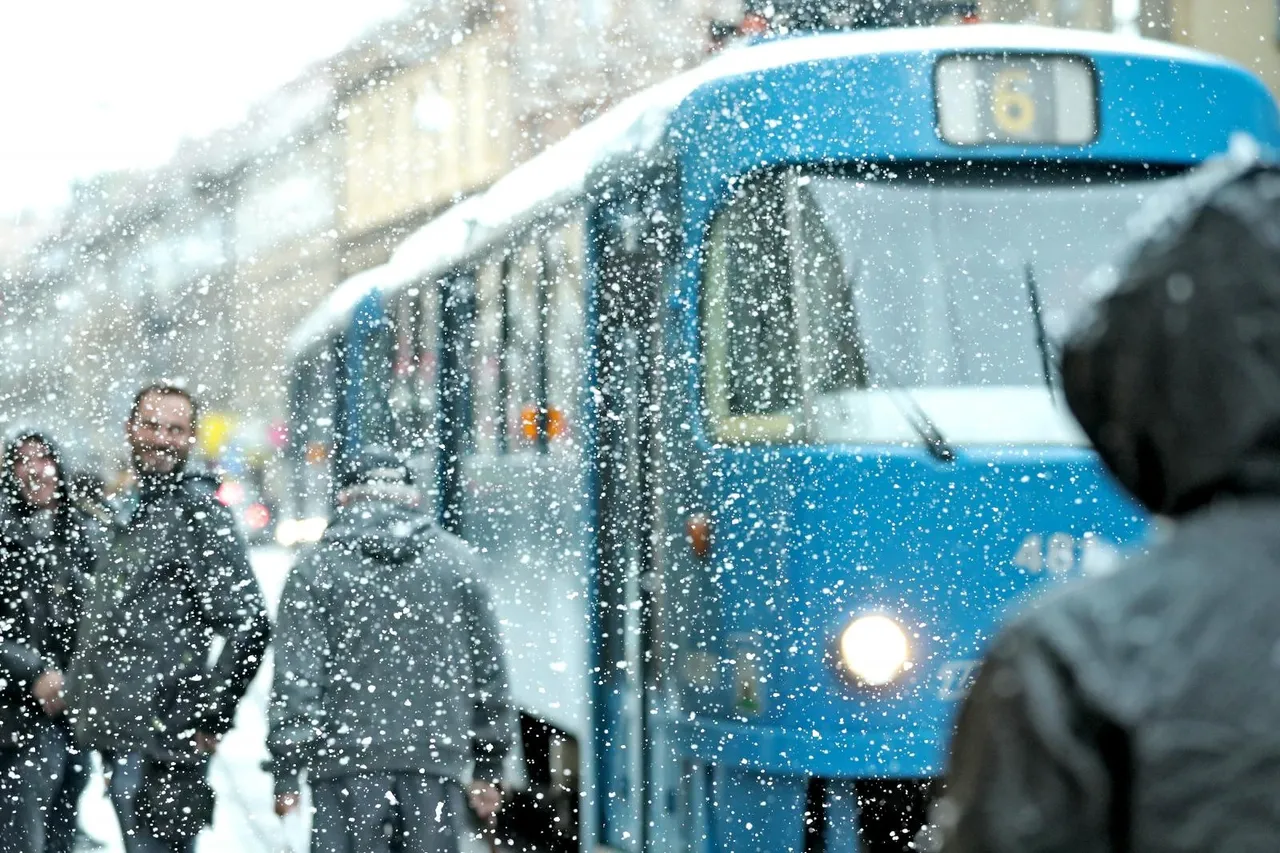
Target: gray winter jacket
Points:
(174, 574)
(387, 656)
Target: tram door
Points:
(625, 685)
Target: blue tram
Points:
(747, 392)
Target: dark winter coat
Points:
(1141, 711)
(174, 575)
(387, 655)
(44, 561)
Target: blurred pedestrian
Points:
(389, 676)
(1141, 710)
(174, 574)
(46, 550)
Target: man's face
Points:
(161, 434)
(37, 474)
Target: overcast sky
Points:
(88, 85)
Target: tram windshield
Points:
(829, 295)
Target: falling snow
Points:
(647, 427)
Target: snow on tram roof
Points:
(447, 233)
(335, 308)
(636, 127)
(446, 240)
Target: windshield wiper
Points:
(906, 404)
(914, 414)
(1042, 335)
(934, 441)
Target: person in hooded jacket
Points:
(47, 549)
(174, 574)
(1140, 710)
(389, 675)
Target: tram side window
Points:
(413, 401)
(565, 330)
(527, 318)
(403, 399)
(312, 404)
(427, 360)
(456, 369)
(373, 406)
(486, 366)
(749, 318)
(313, 415)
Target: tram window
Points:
(314, 407)
(373, 406)
(456, 371)
(486, 360)
(403, 399)
(524, 344)
(427, 355)
(313, 402)
(565, 329)
(938, 295)
(529, 314)
(832, 351)
(749, 318)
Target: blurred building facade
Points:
(1246, 32)
(422, 127)
(1077, 14)
(284, 253)
(201, 269)
(130, 286)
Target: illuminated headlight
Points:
(311, 529)
(300, 531)
(874, 649)
(287, 532)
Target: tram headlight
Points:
(874, 649)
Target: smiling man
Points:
(175, 574)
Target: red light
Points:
(257, 516)
(529, 422)
(754, 25)
(278, 435)
(971, 18)
(230, 493)
(698, 533)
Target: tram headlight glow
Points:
(874, 649)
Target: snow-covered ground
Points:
(244, 820)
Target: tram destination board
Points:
(1016, 100)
